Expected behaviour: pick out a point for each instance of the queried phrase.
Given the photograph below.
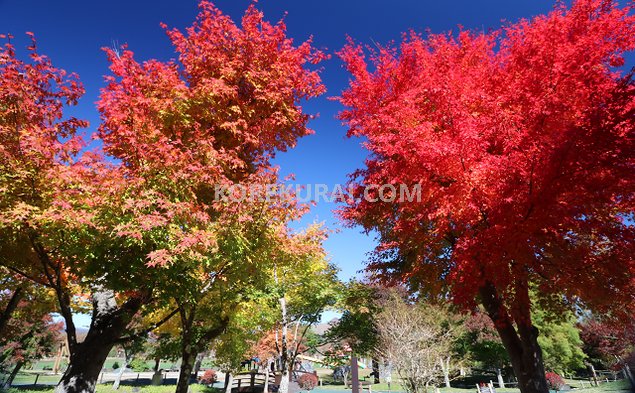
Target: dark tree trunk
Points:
(191, 347)
(629, 376)
(109, 323)
(185, 374)
(375, 371)
(521, 342)
(227, 378)
(8, 311)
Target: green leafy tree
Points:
(306, 285)
(560, 341)
(359, 303)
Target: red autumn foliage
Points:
(228, 103)
(522, 140)
(170, 131)
(208, 377)
(308, 381)
(30, 334)
(268, 346)
(609, 344)
(554, 381)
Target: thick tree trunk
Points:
(108, 324)
(521, 342)
(354, 374)
(8, 311)
(86, 363)
(185, 374)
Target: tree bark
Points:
(188, 354)
(109, 322)
(499, 375)
(265, 388)
(629, 375)
(284, 352)
(594, 376)
(191, 347)
(8, 311)
(185, 374)
(354, 374)
(375, 364)
(445, 366)
(122, 369)
(521, 342)
(229, 381)
(197, 365)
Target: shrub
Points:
(115, 365)
(138, 365)
(554, 381)
(208, 378)
(308, 381)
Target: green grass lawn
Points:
(195, 388)
(611, 387)
(47, 365)
(621, 386)
(29, 378)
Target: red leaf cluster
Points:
(554, 381)
(522, 140)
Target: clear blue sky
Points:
(72, 32)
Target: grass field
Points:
(47, 364)
(610, 387)
(123, 389)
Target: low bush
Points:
(308, 381)
(554, 381)
(139, 365)
(208, 377)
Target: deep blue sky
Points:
(72, 32)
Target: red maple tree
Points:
(522, 141)
(608, 344)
